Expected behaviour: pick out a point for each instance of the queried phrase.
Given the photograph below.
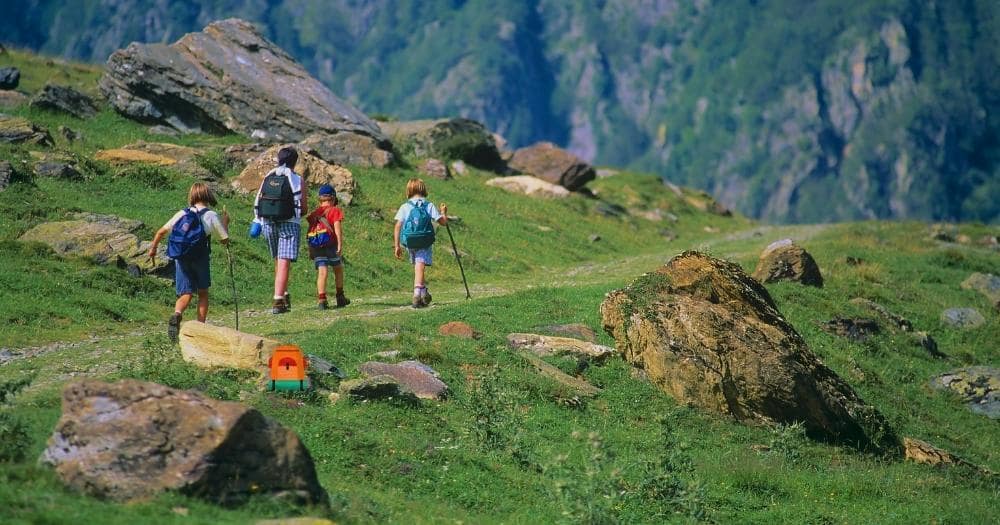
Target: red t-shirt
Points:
(332, 213)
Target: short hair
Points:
(416, 187)
(287, 156)
(200, 192)
(332, 197)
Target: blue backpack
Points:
(188, 238)
(418, 230)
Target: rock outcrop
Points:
(313, 169)
(10, 77)
(129, 440)
(978, 386)
(16, 130)
(786, 261)
(530, 186)
(547, 345)
(228, 78)
(107, 239)
(709, 335)
(554, 165)
(66, 100)
(412, 376)
(209, 346)
(451, 139)
(350, 149)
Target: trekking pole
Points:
(459, 259)
(232, 277)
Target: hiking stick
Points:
(459, 259)
(232, 277)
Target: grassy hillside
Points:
(507, 446)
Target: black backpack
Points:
(277, 200)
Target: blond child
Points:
(326, 247)
(415, 231)
(191, 253)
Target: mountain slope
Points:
(787, 111)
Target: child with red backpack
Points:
(326, 245)
(415, 231)
(189, 246)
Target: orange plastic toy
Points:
(287, 369)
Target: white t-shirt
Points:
(296, 181)
(210, 221)
(404, 210)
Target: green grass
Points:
(506, 445)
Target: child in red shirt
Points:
(322, 220)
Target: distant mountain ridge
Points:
(784, 110)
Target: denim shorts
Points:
(325, 256)
(424, 255)
(191, 275)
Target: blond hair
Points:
(416, 187)
(200, 192)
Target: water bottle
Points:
(254, 230)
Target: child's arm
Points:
(156, 241)
(225, 225)
(397, 250)
(443, 219)
(339, 232)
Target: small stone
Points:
(435, 169)
(604, 173)
(943, 232)
(209, 346)
(669, 235)
(856, 329)
(459, 168)
(786, 261)
(333, 397)
(544, 346)
(608, 209)
(979, 386)
(711, 229)
(57, 170)
(854, 261)
(180, 511)
(6, 174)
(9, 78)
(963, 317)
(69, 134)
(594, 238)
(388, 354)
(458, 329)
(986, 284)
(412, 376)
(929, 344)
(990, 241)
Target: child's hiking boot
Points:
(288, 300)
(425, 296)
(279, 307)
(323, 305)
(342, 300)
(418, 302)
(174, 327)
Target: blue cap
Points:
(326, 189)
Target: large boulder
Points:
(553, 164)
(130, 440)
(228, 78)
(452, 139)
(107, 239)
(413, 376)
(350, 149)
(786, 261)
(530, 186)
(707, 334)
(66, 100)
(10, 77)
(209, 346)
(978, 386)
(313, 169)
(16, 130)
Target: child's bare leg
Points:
(202, 304)
(182, 303)
(338, 277)
(281, 267)
(321, 274)
(418, 274)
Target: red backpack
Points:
(321, 233)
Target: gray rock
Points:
(963, 317)
(608, 209)
(133, 440)
(545, 345)
(104, 238)
(979, 386)
(553, 164)
(350, 149)
(69, 134)
(66, 100)
(594, 237)
(9, 78)
(57, 170)
(227, 77)
(6, 174)
(786, 261)
(16, 130)
(413, 376)
(435, 169)
(451, 139)
(986, 284)
(857, 329)
(375, 388)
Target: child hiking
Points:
(280, 204)
(189, 245)
(326, 245)
(415, 231)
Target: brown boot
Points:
(279, 307)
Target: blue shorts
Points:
(191, 275)
(325, 256)
(424, 255)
